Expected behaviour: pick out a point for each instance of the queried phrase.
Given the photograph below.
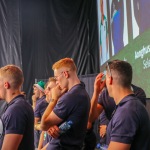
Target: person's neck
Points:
(120, 93)
(47, 99)
(41, 94)
(11, 95)
(73, 82)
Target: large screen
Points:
(124, 33)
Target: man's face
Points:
(46, 91)
(109, 83)
(49, 88)
(36, 92)
(60, 76)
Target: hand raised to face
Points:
(58, 92)
(99, 84)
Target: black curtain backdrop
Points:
(10, 39)
(36, 33)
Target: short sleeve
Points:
(101, 98)
(103, 118)
(37, 111)
(15, 122)
(124, 128)
(61, 109)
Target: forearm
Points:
(40, 146)
(94, 110)
(45, 121)
(115, 145)
(45, 147)
(13, 139)
(33, 104)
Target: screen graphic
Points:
(128, 36)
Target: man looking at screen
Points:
(129, 126)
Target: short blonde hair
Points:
(65, 62)
(12, 73)
(51, 79)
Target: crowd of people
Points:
(62, 115)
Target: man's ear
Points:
(66, 74)
(111, 80)
(6, 85)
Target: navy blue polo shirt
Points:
(2, 106)
(40, 99)
(139, 93)
(130, 124)
(72, 106)
(18, 118)
(108, 102)
(40, 108)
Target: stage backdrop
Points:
(36, 33)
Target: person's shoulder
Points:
(42, 98)
(75, 94)
(66, 97)
(20, 105)
(76, 89)
(137, 89)
(139, 93)
(135, 108)
(131, 103)
(104, 93)
(43, 104)
(40, 101)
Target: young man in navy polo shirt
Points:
(17, 122)
(39, 95)
(70, 106)
(44, 137)
(129, 127)
(39, 108)
(109, 105)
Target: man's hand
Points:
(58, 92)
(102, 130)
(34, 98)
(53, 131)
(99, 84)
